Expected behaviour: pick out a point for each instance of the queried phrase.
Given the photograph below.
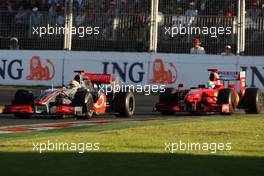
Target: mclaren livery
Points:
(81, 98)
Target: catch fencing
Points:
(137, 26)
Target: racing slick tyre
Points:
(124, 104)
(84, 99)
(226, 96)
(253, 101)
(23, 97)
(169, 96)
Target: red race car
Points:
(86, 95)
(219, 95)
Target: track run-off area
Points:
(144, 107)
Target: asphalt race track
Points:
(144, 106)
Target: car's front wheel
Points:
(124, 104)
(84, 99)
(253, 101)
(227, 96)
(23, 97)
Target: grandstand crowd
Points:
(188, 7)
(125, 20)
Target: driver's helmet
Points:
(73, 84)
(210, 85)
(214, 77)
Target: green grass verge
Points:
(138, 148)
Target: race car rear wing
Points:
(234, 76)
(97, 78)
(79, 71)
(101, 78)
(231, 75)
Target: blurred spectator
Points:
(21, 16)
(36, 16)
(230, 11)
(14, 44)
(179, 19)
(197, 49)
(60, 13)
(192, 11)
(52, 10)
(227, 51)
(254, 10)
(60, 19)
(79, 3)
(80, 19)
(262, 9)
(251, 28)
(203, 6)
(6, 6)
(250, 23)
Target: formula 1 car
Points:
(83, 102)
(223, 98)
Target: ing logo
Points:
(162, 74)
(40, 72)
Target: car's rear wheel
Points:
(124, 104)
(253, 101)
(23, 97)
(227, 96)
(84, 99)
(169, 96)
(172, 97)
